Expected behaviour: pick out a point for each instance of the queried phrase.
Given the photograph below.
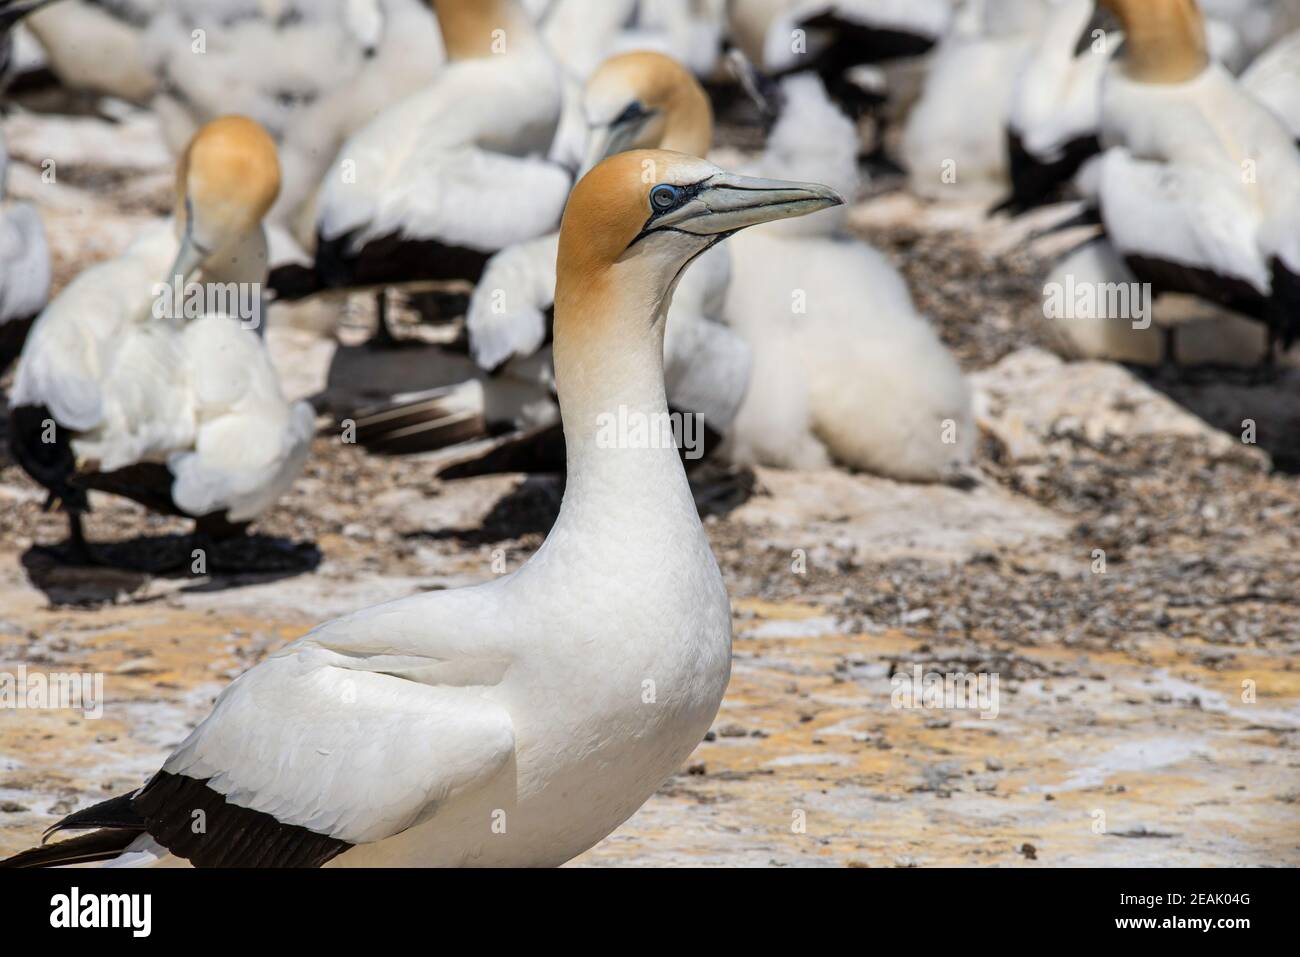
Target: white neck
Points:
(616, 372)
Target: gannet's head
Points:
(643, 101)
(635, 222)
(1164, 40)
(227, 179)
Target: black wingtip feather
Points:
(116, 812)
(101, 845)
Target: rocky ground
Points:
(1123, 563)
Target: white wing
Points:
(249, 444)
(347, 736)
(453, 163)
(476, 198)
(1198, 216)
(506, 317)
(63, 362)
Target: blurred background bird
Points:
(426, 151)
(179, 407)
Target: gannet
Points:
(1199, 189)
(124, 386)
(1053, 127)
(845, 369)
(634, 100)
(98, 47)
(519, 721)
(308, 71)
(439, 181)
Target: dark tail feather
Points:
(117, 822)
(539, 449)
(422, 421)
(102, 845)
(293, 281)
(1088, 216)
(117, 812)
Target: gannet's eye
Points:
(633, 111)
(664, 197)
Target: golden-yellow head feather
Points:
(679, 115)
(608, 209)
(228, 177)
(1164, 40)
(480, 28)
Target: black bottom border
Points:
(333, 906)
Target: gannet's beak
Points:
(726, 203)
(188, 259)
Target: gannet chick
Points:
(519, 721)
(1199, 190)
(435, 184)
(845, 369)
(174, 406)
(24, 268)
(98, 47)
